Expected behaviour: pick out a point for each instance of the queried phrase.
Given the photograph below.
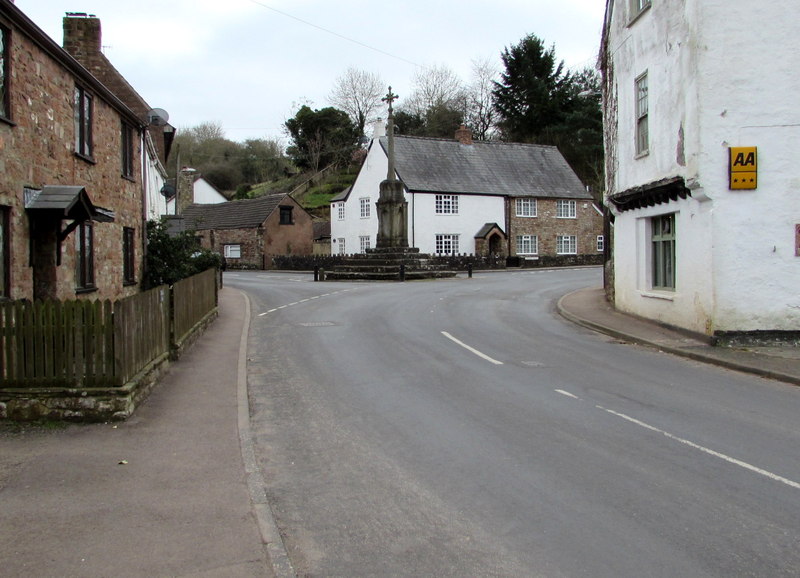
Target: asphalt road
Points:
(463, 428)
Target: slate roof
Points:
(484, 167)
(245, 214)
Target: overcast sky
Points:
(250, 64)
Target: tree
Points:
(435, 87)
(481, 115)
(358, 93)
(538, 101)
(533, 91)
(321, 137)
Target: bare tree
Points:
(481, 116)
(435, 87)
(358, 93)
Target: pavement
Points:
(589, 308)
(176, 489)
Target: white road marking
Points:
(568, 394)
(303, 301)
(472, 349)
(710, 452)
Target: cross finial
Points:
(390, 98)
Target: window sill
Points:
(86, 158)
(665, 295)
(642, 154)
(84, 290)
(128, 283)
(526, 216)
(6, 120)
(130, 178)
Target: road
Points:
(463, 428)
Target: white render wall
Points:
(720, 74)
(424, 224)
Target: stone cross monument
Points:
(392, 206)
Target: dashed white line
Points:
(568, 394)
(472, 349)
(706, 450)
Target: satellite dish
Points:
(158, 117)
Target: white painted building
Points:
(203, 192)
(460, 194)
(686, 83)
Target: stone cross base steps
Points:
(389, 264)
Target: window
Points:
(446, 204)
(286, 215)
(527, 245)
(663, 240)
(526, 207)
(642, 108)
(128, 256)
(5, 253)
(364, 207)
(5, 74)
(638, 6)
(601, 243)
(446, 244)
(341, 211)
(233, 251)
(364, 243)
(127, 151)
(341, 246)
(83, 122)
(565, 209)
(84, 256)
(566, 245)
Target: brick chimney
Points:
(464, 135)
(82, 36)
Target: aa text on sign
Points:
(743, 167)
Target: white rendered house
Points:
(702, 133)
(462, 197)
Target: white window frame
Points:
(365, 204)
(527, 245)
(447, 243)
(642, 115)
(340, 211)
(233, 251)
(364, 243)
(341, 248)
(526, 207)
(566, 245)
(566, 209)
(601, 243)
(446, 204)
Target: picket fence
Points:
(83, 344)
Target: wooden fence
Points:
(83, 343)
(193, 298)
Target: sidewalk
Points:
(589, 308)
(169, 492)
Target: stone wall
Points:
(586, 226)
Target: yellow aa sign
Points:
(743, 167)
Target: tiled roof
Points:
(484, 167)
(245, 214)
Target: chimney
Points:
(378, 128)
(185, 192)
(82, 37)
(464, 135)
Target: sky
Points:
(248, 65)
